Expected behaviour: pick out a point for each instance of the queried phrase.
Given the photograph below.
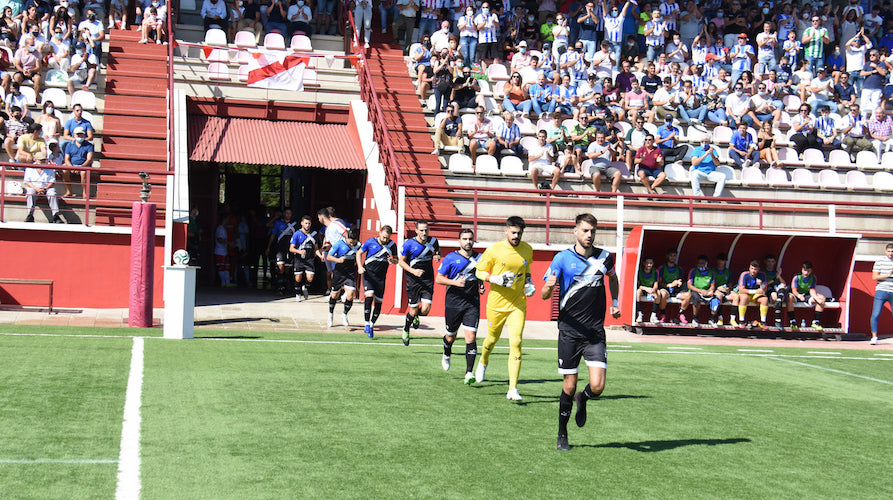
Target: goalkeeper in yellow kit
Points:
(506, 265)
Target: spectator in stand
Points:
(449, 130)
(515, 99)
(425, 78)
(480, 134)
(466, 90)
(15, 128)
(854, 133)
(875, 73)
(9, 29)
(814, 40)
(856, 50)
(767, 44)
(442, 81)
(362, 16)
(667, 137)
(30, 143)
(820, 89)
(440, 39)
(650, 82)
(630, 52)
(521, 58)
(663, 102)
(251, 20)
(743, 148)
(791, 48)
(738, 107)
(603, 62)
(582, 134)
(763, 106)
(844, 94)
(15, 98)
(77, 120)
(428, 23)
(703, 167)
(387, 10)
(803, 126)
(468, 36)
(565, 97)
(766, 144)
(614, 29)
(52, 127)
(40, 181)
(634, 140)
(55, 155)
(276, 15)
(655, 33)
(28, 66)
(623, 80)
(872, 24)
(83, 68)
(152, 24)
(487, 24)
(541, 161)
(508, 135)
(78, 153)
(602, 153)
(324, 16)
(677, 51)
(59, 56)
(635, 102)
(94, 26)
(300, 16)
(142, 7)
(649, 161)
(573, 64)
(540, 94)
(742, 57)
(691, 109)
(880, 127)
(882, 272)
(588, 21)
(826, 129)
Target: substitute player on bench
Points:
(303, 248)
(776, 287)
(507, 266)
(580, 272)
(372, 263)
(344, 275)
(803, 290)
(462, 303)
(751, 288)
(418, 256)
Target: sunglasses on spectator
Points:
(478, 112)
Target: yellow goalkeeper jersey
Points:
(502, 257)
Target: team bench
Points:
(21, 281)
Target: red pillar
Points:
(142, 264)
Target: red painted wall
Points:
(862, 300)
(88, 269)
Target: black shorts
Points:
(375, 284)
(304, 265)
(573, 345)
(488, 50)
(467, 316)
(697, 298)
(340, 280)
(284, 257)
(419, 290)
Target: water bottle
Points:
(803, 323)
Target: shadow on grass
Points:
(224, 321)
(664, 445)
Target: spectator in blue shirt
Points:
(742, 147)
(667, 135)
(703, 167)
(78, 153)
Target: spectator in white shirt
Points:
(215, 12)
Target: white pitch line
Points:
(755, 350)
(624, 346)
(832, 370)
(823, 352)
(686, 348)
(57, 461)
(887, 355)
(129, 458)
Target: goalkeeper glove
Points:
(505, 279)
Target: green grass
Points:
(230, 419)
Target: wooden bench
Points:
(19, 281)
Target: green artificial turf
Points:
(276, 419)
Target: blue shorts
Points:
(651, 172)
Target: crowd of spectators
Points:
(286, 17)
(745, 65)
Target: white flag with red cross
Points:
(276, 70)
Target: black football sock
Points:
(408, 324)
(376, 310)
(332, 302)
(818, 316)
(367, 308)
(447, 346)
(588, 394)
(565, 405)
(347, 305)
(471, 352)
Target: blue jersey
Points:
(455, 265)
(748, 282)
(420, 255)
(377, 256)
(581, 293)
(342, 249)
(283, 231)
(304, 241)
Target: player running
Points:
(372, 262)
(417, 259)
(580, 272)
(751, 288)
(303, 248)
(280, 240)
(462, 303)
(344, 275)
(507, 266)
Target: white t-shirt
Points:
(737, 105)
(220, 234)
(543, 161)
(855, 58)
(768, 49)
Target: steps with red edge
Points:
(138, 87)
(135, 166)
(135, 106)
(149, 127)
(133, 148)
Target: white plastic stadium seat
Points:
(525, 125)
(461, 164)
(676, 173)
(840, 159)
(788, 156)
(56, 78)
(497, 72)
(803, 178)
(528, 142)
(791, 103)
(729, 172)
(29, 93)
(85, 98)
(274, 41)
(777, 177)
(301, 42)
(58, 97)
(245, 40)
(857, 181)
(887, 160)
(512, 165)
(752, 176)
(218, 71)
(486, 164)
(218, 55)
(215, 37)
(883, 181)
(244, 57)
(814, 158)
(243, 73)
(867, 160)
(721, 135)
(830, 179)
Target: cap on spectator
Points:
(710, 57)
(821, 70)
(523, 43)
(742, 35)
(40, 155)
(79, 130)
(80, 45)
(547, 45)
(668, 119)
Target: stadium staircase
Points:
(134, 126)
(410, 136)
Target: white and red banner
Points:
(276, 70)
